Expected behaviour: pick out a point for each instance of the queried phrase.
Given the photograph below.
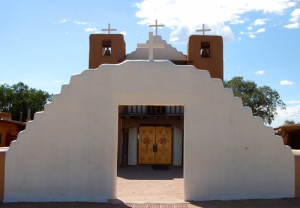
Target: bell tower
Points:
(206, 52)
(106, 48)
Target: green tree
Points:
(287, 122)
(5, 98)
(18, 98)
(263, 100)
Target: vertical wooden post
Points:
(125, 147)
(297, 172)
(2, 172)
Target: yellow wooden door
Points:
(155, 145)
(146, 142)
(163, 137)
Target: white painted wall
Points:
(177, 147)
(132, 146)
(67, 154)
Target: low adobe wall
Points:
(297, 173)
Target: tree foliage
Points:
(288, 122)
(263, 100)
(18, 98)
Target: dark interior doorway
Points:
(132, 118)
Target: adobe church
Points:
(154, 134)
(152, 106)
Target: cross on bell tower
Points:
(106, 48)
(206, 52)
(203, 30)
(108, 29)
(156, 26)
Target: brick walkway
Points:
(138, 184)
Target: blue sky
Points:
(43, 43)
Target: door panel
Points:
(155, 145)
(146, 142)
(163, 138)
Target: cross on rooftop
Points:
(156, 26)
(109, 29)
(203, 30)
(150, 45)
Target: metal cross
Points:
(150, 45)
(109, 29)
(203, 30)
(156, 26)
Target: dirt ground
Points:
(278, 203)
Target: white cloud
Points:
(259, 22)
(295, 16)
(291, 102)
(286, 82)
(290, 113)
(80, 23)
(91, 30)
(251, 35)
(63, 21)
(292, 26)
(236, 22)
(123, 33)
(217, 14)
(261, 30)
(260, 72)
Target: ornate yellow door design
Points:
(155, 145)
(163, 136)
(146, 142)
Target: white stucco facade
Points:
(69, 152)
